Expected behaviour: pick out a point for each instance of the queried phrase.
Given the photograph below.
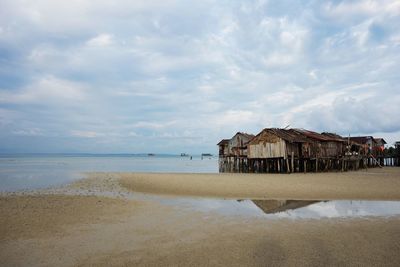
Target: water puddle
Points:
(290, 209)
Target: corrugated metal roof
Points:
(223, 142)
(336, 136)
(249, 136)
(380, 140)
(287, 135)
(318, 136)
(362, 139)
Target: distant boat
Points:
(184, 155)
(151, 155)
(206, 155)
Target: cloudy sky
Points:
(176, 76)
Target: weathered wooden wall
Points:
(268, 150)
(237, 144)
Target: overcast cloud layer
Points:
(177, 76)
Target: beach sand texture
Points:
(380, 184)
(56, 229)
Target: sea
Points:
(24, 172)
(36, 171)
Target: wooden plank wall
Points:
(265, 150)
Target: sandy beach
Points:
(99, 221)
(380, 184)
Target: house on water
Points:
(233, 153)
(274, 150)
(223, 148)
(380, 147)
(294, 150)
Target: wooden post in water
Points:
(292, 159)
(279, 166)
(287, 165)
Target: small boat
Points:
(206, 155)
(151, 155)
(184, 155)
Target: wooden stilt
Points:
(279, 166)
(287, 165)
(292, 159)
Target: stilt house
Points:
(290, 150)
(367, 142)
(223, 146)
(234, 153)
(238, 144)
(323, 145)
(380, 147)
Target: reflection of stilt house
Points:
(233, 153)
(275, 206)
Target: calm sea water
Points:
(20, 172)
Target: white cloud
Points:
(103, 39)
(46, 91)
(364, 7)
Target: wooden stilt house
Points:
(275, 150)
(234, 156)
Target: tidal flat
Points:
(137, 219)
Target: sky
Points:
(173, 76)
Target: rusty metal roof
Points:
(244, 134)
(362, 139)
(380, 140)
(336, 136)
(287, 135)
(318, 136)
(223, 142)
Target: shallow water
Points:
(25, 172)
(290, 209)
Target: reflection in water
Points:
(301, 209)
(290, 209)
(275, 206)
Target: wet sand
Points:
(78, 226)
(379, 184)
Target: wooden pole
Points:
(292, 158)
(287, 165)
(279, 166)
